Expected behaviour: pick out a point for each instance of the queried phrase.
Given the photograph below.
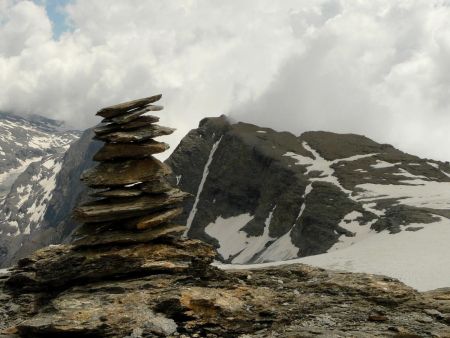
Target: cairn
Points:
(128, 229)
(135, 199)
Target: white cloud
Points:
(373, 67)
(378, 68)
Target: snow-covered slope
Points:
(420, 259)
(31, 154)
(340, 201)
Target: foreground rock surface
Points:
(203, 301)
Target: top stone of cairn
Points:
(118, 109)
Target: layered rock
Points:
(174, 301)
(127, 172)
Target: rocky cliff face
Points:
(261, 195)
(31, 158)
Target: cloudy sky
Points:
(374, 67)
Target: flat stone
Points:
(130, 237)
(110, 174)
(155, 186)
(133, 115)
(118, 193)
(110, 210)
(114, 151)
(105, 128)
(121, 108)
(136, 135)
(153, 220)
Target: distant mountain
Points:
(263, 196)
(31, 157)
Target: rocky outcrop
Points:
(170, 300)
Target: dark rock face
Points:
(289, 196)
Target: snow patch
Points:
(420, 259)
(200, 187)
(228, 232)
(383, 164)
(419, 193)
(359, 231)
(255, 244)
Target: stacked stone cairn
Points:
(136, 200)
(127, 229)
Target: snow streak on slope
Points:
(202, 183)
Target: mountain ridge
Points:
(32, 154)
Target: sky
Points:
(378, 68)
